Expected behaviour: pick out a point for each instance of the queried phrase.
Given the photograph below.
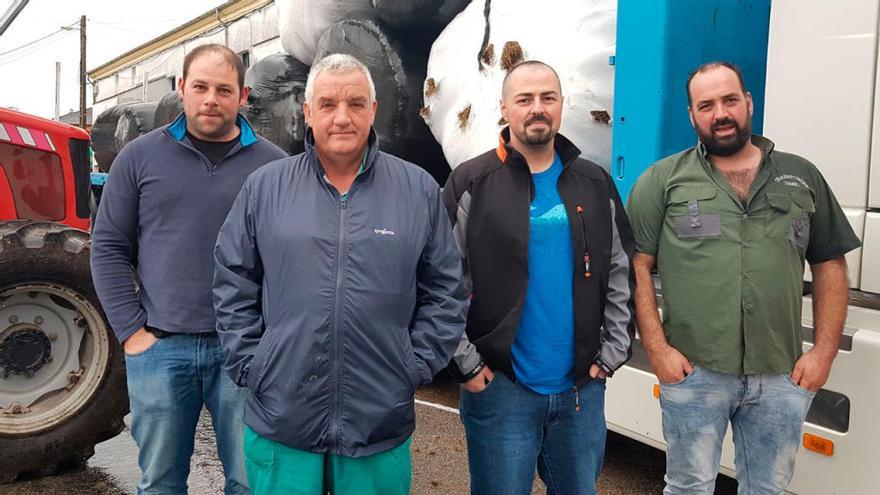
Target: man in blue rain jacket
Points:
(338, 291)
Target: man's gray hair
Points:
(338, 63)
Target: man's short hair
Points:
(230, 56)
(338, 63)
(528, 63)
(714, 65)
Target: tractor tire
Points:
(62, 371)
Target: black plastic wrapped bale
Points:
(398, 67)
(430, 15)
(104, 136)
(134, 121)
(168, 109)
(274, 106)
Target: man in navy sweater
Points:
(167, 195)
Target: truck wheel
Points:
(62, 372)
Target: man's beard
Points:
(539, 138)
(728, 145)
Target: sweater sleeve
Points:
(114, 247)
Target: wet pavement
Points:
(439, 461)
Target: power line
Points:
(29, 43)
(27, 51)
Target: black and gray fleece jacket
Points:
(488, 200)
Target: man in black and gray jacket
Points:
(547, 252)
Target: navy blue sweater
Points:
(160, 212)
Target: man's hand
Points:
(596, 372)
(139, 341)
(478, 383)
(812, 369)
(669, 365)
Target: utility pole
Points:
(57, 90)
(82, 71)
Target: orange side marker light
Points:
(818, 444)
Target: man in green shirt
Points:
(729, 224)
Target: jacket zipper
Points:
(340, 253)
(580, 212)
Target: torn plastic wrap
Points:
(275, 101)
(103, 135)
(168, 109)
(134, 121)
(471, 56)
(301, 23)
(397, 74)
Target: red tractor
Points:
(62, 372)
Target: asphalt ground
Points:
(439, 460)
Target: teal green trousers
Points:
(274, 468)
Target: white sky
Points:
(27, 75)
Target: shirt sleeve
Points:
(646, 209)
(831, 235)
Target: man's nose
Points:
(721, 112)
(211, 97)
(341, 115)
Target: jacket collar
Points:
(507, 154)
(177, 129)
(372, 150)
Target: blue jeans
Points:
(511, 429)
(766, 412)
(167, 385)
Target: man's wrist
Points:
(603, 366)
(466, 377)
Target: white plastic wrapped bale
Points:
(465, 70)
(301, 23)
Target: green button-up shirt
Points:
(732, 273)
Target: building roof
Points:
(72, 118)
(223, 14)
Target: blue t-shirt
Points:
(543, 350)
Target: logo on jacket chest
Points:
(383, 232)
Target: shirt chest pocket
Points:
(789, 218)
(691, 213)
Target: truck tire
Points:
(62, 371)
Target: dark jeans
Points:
(512, 429)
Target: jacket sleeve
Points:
(237, 291)
(114, 247)
(619, 324)
(466, 358)
(442, 299)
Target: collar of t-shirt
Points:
(214, 151)
(344, 195)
